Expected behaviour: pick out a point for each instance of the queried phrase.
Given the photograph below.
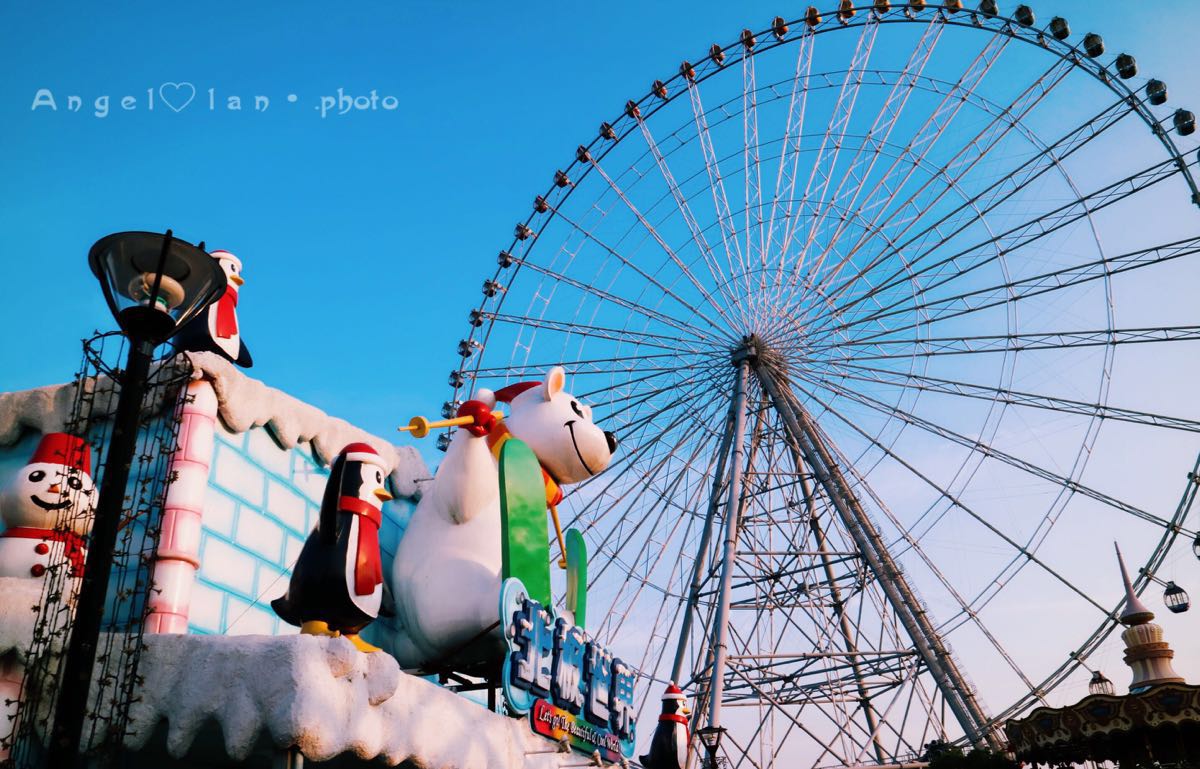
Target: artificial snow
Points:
(325, 698)
(242, 403)
(19, 601)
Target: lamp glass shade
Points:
(154, 283)
(1100, 685)
(710, 736)
(1196, 546)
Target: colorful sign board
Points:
(571, 685)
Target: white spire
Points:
(1136, 612)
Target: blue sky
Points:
(365, 236)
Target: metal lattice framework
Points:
(115, 676)
(879, 301)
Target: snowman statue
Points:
(47, 511)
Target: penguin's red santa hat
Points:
(64, 449)
(673, 692)
(363, 452)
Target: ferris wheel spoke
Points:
(653, 232)
(785, 179)
(781, 709)
(593, 366)
(652, 551)
(991, 393)
(643, 451)
(988, 451)
(752, 166)
(955, 501)
(973, 152)
(685, 211)
(877, 349)
(925, 138)
(968, 609)
(958, 305)
(970, 259)
(716, 185)
(821, 173)
(571, 328)
(588, 287)
(853, 181)
(1005, 188)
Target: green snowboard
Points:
(524, 544)
(577, 576)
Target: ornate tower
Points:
(1146, 653)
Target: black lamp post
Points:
(153, 285)
(710, 736)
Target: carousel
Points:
(1156, 723)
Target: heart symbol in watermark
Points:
(177, 95)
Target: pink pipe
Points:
(11, 674)
(177, 557)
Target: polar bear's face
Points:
(560, 430)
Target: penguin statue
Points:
(216, 329)
(337, 582)
(669, 746)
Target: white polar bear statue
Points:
(446, 575)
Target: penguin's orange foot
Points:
(317, 627)
(362, 645)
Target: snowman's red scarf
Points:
(368, 571)
(226, 325)
(496, 440)
(74, 545)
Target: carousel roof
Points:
(1162, 721)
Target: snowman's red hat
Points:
(673, 692)
(363, 452)
(63, 449)
(506, 394)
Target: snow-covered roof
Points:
(324, 697)
(243, 403)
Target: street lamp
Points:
(710, 736)
(153, 285)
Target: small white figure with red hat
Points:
(669, 745)
(337, 582)
(47, 510)
(446, 574)
(216, 329)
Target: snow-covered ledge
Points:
(242, 403)
(325, 698)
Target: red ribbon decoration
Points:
(368, 570)
(226, 313)
(75, 546)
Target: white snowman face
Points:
(560, 430)
(232, 267)
(42, 492)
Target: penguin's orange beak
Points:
(685, 710)
(237, 280)
(383, 495)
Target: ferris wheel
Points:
(888, 306)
